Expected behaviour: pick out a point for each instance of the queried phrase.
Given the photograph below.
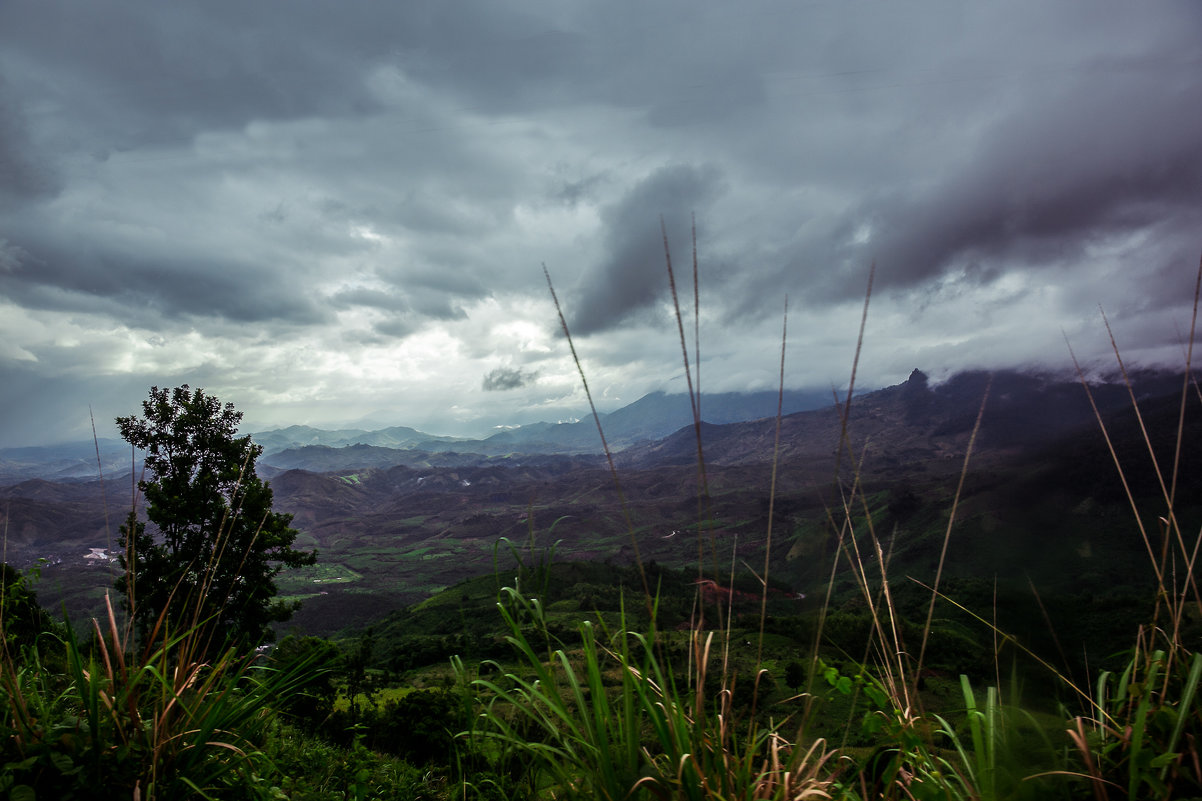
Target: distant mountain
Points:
(326, 459)
(657, 415)
(71, 461)
(1023, 409)
(915, 421)
(651, 417)
(394, 437)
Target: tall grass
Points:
(151, 727)
(1142, 735)
(609, 718)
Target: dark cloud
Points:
(633, 274)
(25, 174)
(509, 61)
(503, 378)
(729, 91)
(155, 75)
(163, 72)
(157, 287)
(372, 298)
(11, 257)
(572, 192)
(394, 328)
(43, 404)
(1105, 155)
(55, 408)
(313, 189)
(439, 278)
(433, 292)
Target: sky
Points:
(340, 213)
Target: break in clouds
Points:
(329, 214)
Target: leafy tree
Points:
(217, 545)
(354, 663)
(420, 726)
(320, 662)
(22, 618)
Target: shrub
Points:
(156, 725)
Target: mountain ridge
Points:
(653, 416)
(393, 533)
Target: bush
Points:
(419, 726)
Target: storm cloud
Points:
(1075, 169)
(633, 275)
(326, 213)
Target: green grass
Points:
(111, 721)
(375, 698)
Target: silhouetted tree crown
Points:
(219, 545)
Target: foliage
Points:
(22, 618)
(461, 621)
(555, 720)
(315, 770)
(319, 662)
(219, 543)
(115, 724)
(418, 726)
(1145, 736)
(984, 751)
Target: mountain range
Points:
(651, 417)
(395, 522)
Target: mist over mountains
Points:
(305, 447)
(1024, 408)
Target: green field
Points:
(305, 582)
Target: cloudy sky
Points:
(337, 212)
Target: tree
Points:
(22, 618)
(319, 662)
(217, 545)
